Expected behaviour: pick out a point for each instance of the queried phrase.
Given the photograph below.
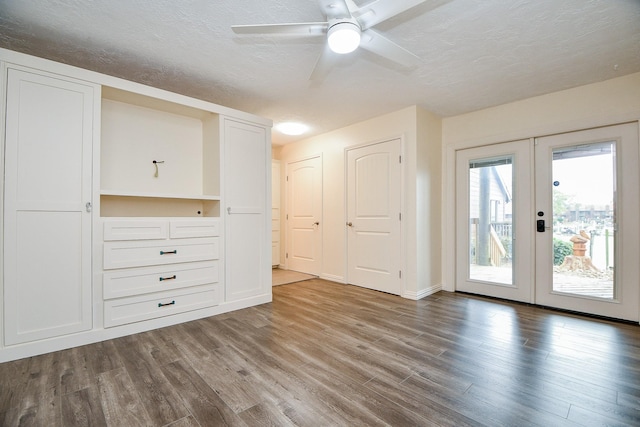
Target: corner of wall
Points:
(276, 152)
(428, 201)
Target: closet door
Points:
(47, 219)
(247, 199)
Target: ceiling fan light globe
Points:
(344, 37)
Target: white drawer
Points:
(135, 230)
(151, 306)
(180, 229)
(144, 253)
(143, 280)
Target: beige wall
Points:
(420, 132)
(275, 152)
(429, 201)
(600, 104)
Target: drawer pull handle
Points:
(169, 303)
(168, 278)
(175, 251)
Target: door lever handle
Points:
(316, 223)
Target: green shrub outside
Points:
(560, 250)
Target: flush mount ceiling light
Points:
(292, 128)
(343, 36)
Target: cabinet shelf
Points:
(158, 196)
(132, 204)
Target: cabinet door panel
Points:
(244, 256)
(47, 242)
(247, 225)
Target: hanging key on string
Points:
(155, 163)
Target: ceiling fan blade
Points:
(352, 6)
(381, 10)
(334, 9)
(323, 65)
(380, 45)
(301, 29)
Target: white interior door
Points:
(587, 194)
(374, 191)
(304, 215)
(493, 208)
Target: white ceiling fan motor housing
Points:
(343, 35)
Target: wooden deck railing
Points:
(497, 252)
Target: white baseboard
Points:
(422, 292)
(332, 278)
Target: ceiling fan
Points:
(348, 26)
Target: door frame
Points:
(403, 261)
(287, 206)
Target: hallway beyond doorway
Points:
(284, 277)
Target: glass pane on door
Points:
(490, 242)
(584, 188)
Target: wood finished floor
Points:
(325, 354)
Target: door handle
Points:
(540, 226)
(350, 224)
(316, 223)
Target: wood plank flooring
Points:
(325, 354)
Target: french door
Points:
(587, 195)
(493, 221)
(553, 221)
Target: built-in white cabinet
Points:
(47, 205)
(160, 206)
(125, 207)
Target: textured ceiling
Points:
(475, 53)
